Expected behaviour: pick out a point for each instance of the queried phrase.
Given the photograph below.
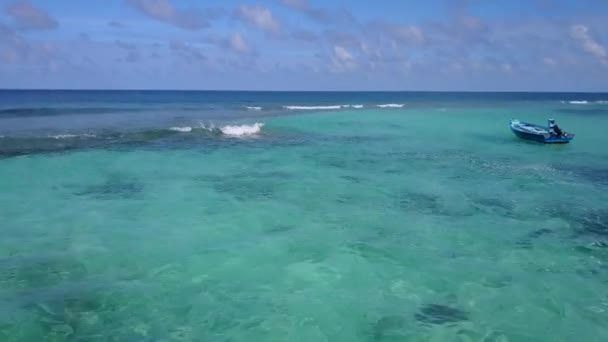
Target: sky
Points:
(436, 45)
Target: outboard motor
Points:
(554, 129)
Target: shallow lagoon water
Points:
(421, 223)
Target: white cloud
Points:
(159, 9)
(238, 44)
(321, 14)
(581, 34)
(409, 34)
(471, 23)
(297, 4)
(342, 54)
(259, 17)
(15, 49)
(395, 33)
(9, 55)
(187, 51)
(456, 66)
(30, 17)
(549, 61)
(163, 10)
(342, 60)
(506, 67)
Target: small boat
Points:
(543, 134)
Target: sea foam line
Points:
(324, 107)
(312, 107)
(71, 136)
(390, 105)
(601, 102)
(230, 130)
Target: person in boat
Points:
(554, 128)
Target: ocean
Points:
(301, 216)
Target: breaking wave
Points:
(71, 136)
(585, 102)
(254, 108)
(242, 130)
(11, 146)
(390, 105)
(185, 129)
(325, 107)
(312, 107)
(229, 130)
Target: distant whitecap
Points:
(390, 105)
(71, 136)
(312, 107)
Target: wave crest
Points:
(184, 129)
(324, 107)
(242, 130)
(390, 105)
(312, 107)
(72, 136)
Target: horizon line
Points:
(314, 91)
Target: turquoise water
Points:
(429, 222)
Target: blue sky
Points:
(462, 45)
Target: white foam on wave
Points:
(255, 108)
(71, 136)
(210, 127)
(579, 102)
(312, 107)
(390, 105)
(242, 130)
(184, 129)
(328, 107)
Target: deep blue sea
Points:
(301, 216)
